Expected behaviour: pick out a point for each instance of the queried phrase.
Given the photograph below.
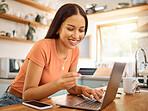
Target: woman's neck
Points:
(62, 51)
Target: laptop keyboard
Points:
(89, 103)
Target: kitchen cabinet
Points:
(95, 81)
(92, 83)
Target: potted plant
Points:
(3, 7)
(30, 32)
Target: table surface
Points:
(135, 102)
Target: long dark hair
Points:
(62, 14)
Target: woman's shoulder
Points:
(43, 46)
(45, 42)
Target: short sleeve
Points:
(38, 53)
(75, 57)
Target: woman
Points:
(51, 64)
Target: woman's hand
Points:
(68, 80)
(89, 92)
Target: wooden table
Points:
(136, 102)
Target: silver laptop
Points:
(81, 102)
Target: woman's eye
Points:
(70, 29)
(81, 30)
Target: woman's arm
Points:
(32, 90)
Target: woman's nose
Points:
(76, 34)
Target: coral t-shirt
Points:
(44, 54)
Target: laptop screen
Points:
(113, 84)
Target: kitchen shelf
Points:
(15, 39)
(36, 5)
(118, 12)
(21, 20)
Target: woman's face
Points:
(72, 31)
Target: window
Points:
(116, 42)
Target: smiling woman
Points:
(51, 64)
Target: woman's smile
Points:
(73, 42)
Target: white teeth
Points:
(73, 41)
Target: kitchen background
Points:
(106, 41)
(19, 50)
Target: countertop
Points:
(135, 102)
(91, 77)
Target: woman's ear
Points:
(57, 32)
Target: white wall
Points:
(16, 49)
(12, 49)
(111, 4)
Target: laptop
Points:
(81, 102)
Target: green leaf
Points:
(6, 5)
(2, 10)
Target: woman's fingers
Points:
(99, 93)
(71, 74)
(85, 93)
(70, 85)
(69, 80)
(101, 90)
(89, 92)
(96, 95)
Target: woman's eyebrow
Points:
(70, 25)
(74, 26)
